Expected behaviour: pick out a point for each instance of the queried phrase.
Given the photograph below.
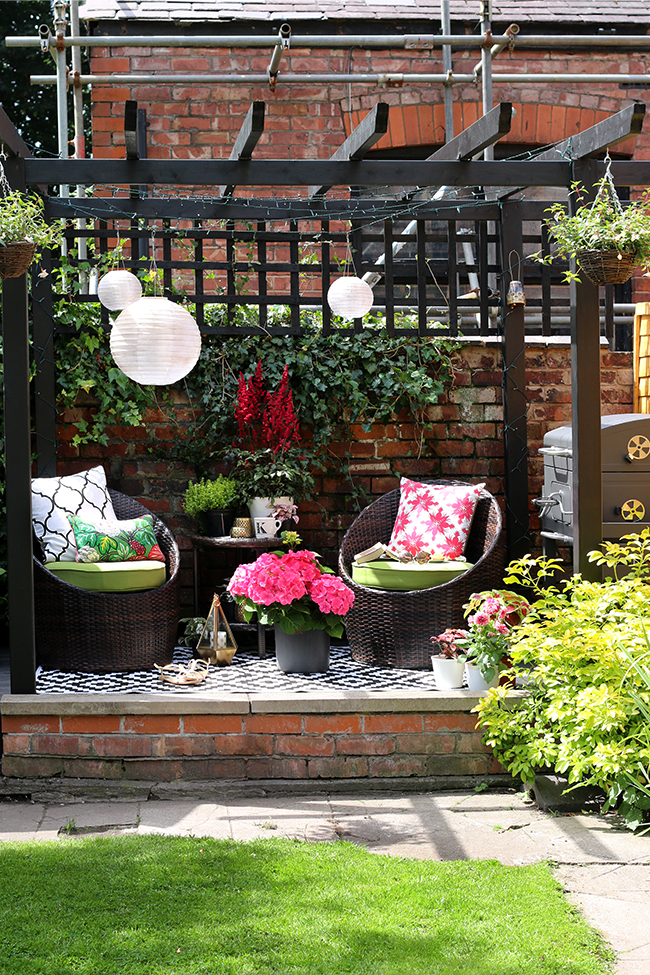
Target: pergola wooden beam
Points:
(369, 131)
(249, 135)
(603, 135)
(478, 136)
(290, 172)
(131, 129)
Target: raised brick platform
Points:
(362, 735)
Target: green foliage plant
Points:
(585, 645)
(21, 219)
(602, 225)
(205, 495)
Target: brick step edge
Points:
(71, 790)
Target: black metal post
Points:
(44, 378)
(18, 460)
(585, 408)
(515, 404)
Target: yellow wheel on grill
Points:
(638, 448)
(632, 510)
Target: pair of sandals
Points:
(185, 675)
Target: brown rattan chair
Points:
(78, 631)
(393, 629)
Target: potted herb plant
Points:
(608, 240)
(303, 601)
(23, 230)
(212, 504)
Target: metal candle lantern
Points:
(515, 294)
(155, 342)
(119, 289)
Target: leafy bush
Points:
(585, 713)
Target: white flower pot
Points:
(260, 511)
(448, 673)
(476, 681)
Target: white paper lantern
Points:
(119, 289)
(155, 342)
(350, 297)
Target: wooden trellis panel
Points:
(642, 357)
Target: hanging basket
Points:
(607, 267)
(15, 258)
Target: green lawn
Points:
(151, 905)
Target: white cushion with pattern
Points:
(54, 498)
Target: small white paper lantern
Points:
(155, 342)
(119, 289)
(350, 297)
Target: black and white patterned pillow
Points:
(54, 498)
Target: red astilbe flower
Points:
(280, 423)
(250, 406)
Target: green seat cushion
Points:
(110, 576)
(407, 576)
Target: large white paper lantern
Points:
(350, 297)
(155, 342)
(119, 289)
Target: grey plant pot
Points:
(302, 653)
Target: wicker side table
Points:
(253, 545)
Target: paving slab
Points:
(615, 899)
(20, 821)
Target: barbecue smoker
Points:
(625, 441)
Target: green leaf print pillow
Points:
(115, 541)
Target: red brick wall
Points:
(167, 747)
(465, 442)
(310, 121)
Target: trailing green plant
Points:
(86, 373)
(21, 218)
(602, 225)
(205, 495)
(585, 644)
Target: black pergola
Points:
(452, 166)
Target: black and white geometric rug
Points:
(247, 674)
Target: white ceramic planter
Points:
(476, 681)
(448, 673)
(260, 511)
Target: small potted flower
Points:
(491, 618)
(303, 601)
(212, 504)
(448, 664)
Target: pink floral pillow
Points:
(434, 518)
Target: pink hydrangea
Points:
(331, 595)
(280, 580)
